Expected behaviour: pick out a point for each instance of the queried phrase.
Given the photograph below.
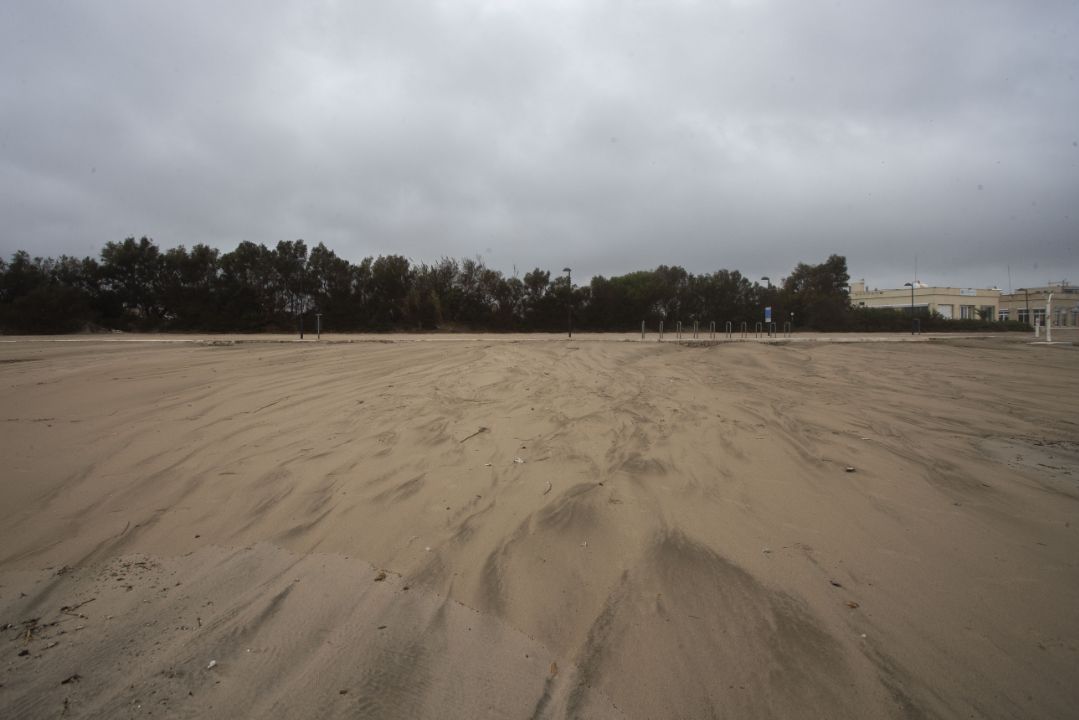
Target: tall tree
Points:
(818, 294)
(131, 275)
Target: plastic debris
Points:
(211, 665)
(849, 468)
(851, 604)
(519, 461)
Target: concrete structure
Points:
(949, 302)
(1028, 304)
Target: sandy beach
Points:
(536, 527)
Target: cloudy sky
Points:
(607, 136)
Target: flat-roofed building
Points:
(949, 302)
(1028, 304)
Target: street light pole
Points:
(911, 286)
(768, 299)
(569, 301)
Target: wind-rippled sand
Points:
(539, 528)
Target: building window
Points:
(1039, 316)
(1023, 315)
(966, 312)
(1003, 316)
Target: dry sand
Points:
(519, 527)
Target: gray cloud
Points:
(609, 137)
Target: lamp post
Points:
(768, 299)
(569, 301)
(911, 286)
(1026, 293)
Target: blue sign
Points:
(768, 314)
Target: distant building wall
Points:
(1028, 305)
(957, 303)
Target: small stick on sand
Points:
(548, 488)
(70, 609)
(481, 430)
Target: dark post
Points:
(911, 286)
(318, 325)
(301, 326)
(1026, 294)
(569, 301)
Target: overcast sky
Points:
(608, 137)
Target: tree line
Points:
(136, 286)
